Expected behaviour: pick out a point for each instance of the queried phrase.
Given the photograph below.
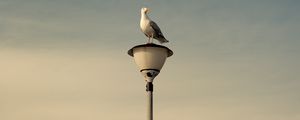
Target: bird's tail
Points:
(163, 40)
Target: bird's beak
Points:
(147, 10)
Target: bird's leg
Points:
(152, 38)
(149, 39)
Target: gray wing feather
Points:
(156, 28)
(158, 34)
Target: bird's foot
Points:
(150, 43)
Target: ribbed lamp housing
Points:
(150, 56)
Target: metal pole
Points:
(149, 89)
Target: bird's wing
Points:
(156, 28)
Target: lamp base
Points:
(149, 74)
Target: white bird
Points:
(150, 28)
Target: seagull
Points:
(150, 28)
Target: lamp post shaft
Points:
(150, 59)
(150, 106)
(149, 89)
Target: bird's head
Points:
(145, 10)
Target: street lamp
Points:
(150, 58)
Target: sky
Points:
(67, 60)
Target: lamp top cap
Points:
(130, 52)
